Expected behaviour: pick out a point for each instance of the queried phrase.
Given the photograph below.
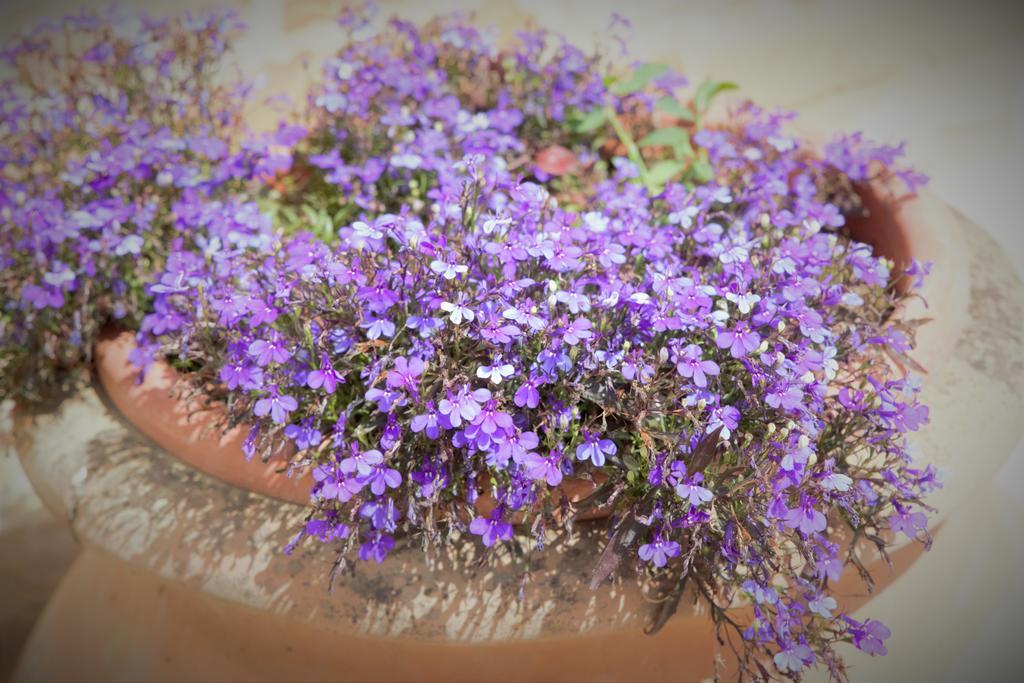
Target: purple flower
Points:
(690, 364)
(386, 399)
(727, 417)
(490, 419)
(427, 422)
(527, 395)
(361, 462)
(491, 529)
(267, 352)
(740, 341)
(381, 477)
(261, 312)
(332, 486)
(691, 490)
(762, 595)
(577, 331)
(549, 469)
(304, 434)
(463, 405)
(870, 636)
(276, 405)
(376, 547)
(822, 605)
(327, 530)
(42, 297)
(517, 446)
(595, 449)
(659, 551)
(909, 523)
(381, 513)
(406, 373)
(325, 377)
(805, 517)
(241, 374)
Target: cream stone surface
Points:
(941, 75)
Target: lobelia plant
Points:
(119, 136)
(493, 272)
(497, 273)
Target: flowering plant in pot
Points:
(510, 290)
(489, 295)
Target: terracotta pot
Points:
(190, 431)
(183, 578)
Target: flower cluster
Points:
(452, 327)
(115, 136)
(394, 116)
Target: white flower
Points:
(852, 299)
(684, 217)
(457, 312)
(132, 244)
(784, 265)
(722, 195)
(366, 231)
(345, 71)
(744, 302)
(736, 254)
(823, 606)
(406, 160)
(494, 223)
(495, 373)
(834, 481)
(596, 221)
(60, 276)
(448, 271)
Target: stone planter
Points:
(182, 576)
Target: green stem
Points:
(632, 151)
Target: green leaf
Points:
(702, 171)
(666, 137)
(663, 171)
(674, 137)
(644, 74)
(707, 91)
(590, 121)
(672, 107)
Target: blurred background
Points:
(943, 76)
